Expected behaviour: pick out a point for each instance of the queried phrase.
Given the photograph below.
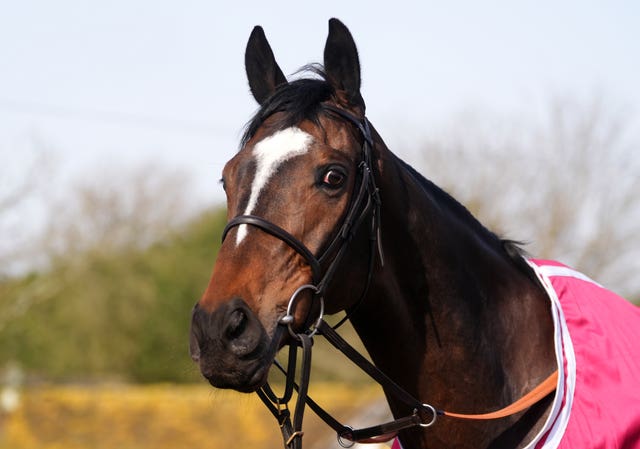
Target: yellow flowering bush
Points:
(162, 417)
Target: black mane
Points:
(301, 100)
(512, 248)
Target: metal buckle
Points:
(288, 318)
(297, 433)
(432, 410)
(348, 443)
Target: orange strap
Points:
(535, 395)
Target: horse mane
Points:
(300, 99)
(512, 249)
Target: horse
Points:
(324, 218)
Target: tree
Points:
(24, 167)
(119, 282)
(567, 183)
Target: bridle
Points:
(365, 204)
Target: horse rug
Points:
(597, 343)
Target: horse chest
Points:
(597, 403)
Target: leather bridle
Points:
(365, 204)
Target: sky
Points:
(123, 83)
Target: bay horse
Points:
(324, 218)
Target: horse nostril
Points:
(194, 333)
(194, 348)
(236, 324)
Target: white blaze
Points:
(270, 153)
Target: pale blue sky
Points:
(127, 81)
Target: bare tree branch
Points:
(567, 183)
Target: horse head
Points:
(298, 191)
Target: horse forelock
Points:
(297, 100)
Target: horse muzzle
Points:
(231, 346)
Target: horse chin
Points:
(247, 381)
(245, 377)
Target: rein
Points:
(365, 203)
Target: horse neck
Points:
(450, 316)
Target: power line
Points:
(111, 117)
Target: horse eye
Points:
(333, 178)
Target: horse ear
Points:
(263, 72)
(341, 62)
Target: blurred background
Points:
(116, 119)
